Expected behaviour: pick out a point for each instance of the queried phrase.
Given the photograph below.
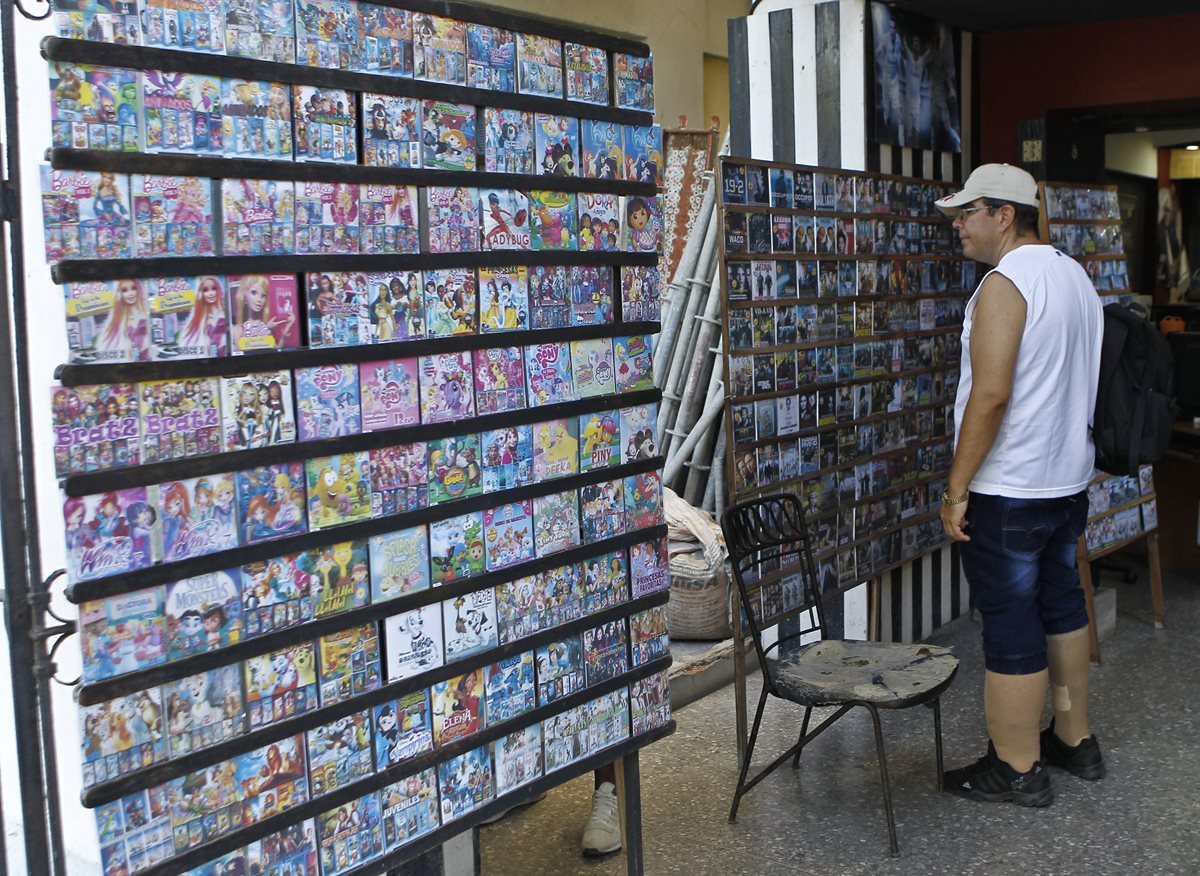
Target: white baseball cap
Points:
(1000, 181)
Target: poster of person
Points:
(916, 81)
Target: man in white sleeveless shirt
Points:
(1016, 499)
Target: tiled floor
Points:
(827, 819)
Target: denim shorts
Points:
(1020, 564)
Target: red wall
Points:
(1022, 74)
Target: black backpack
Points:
(1135, 404)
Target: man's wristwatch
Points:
(949, 500)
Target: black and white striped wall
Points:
(801, 91)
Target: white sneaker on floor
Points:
(602, 836)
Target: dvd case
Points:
(259, 29)
(328, 34)
(550, 296)
(172, 215)
(349, 664)
(439, 49)
(508, 534)
(548, 369)
(181, 112)
(556, 522)
(326, 122)
(390, 396)
(258, 216)
(507, 458)
(338, 309)
(499, 380)
(456, 548)
(396, 307)
(491, 58)
(555, 449)
(275, 595)
(446, 381)
(454, 468)
(94, 107)
(507, 141)
(256, 117)
(350, 835)
(634, 83)
(326, 218)
(387, 36)
(399, 479)
(539, 65)
(599, 440)
(592, 367)
(560, 669)
(203, 613)
(198, 516)
(105, 21)
(469, 624)
(452, 219)
(195, 26)
(447, 135)
(107, 321)
(387, 219)
(280, 685)
(86, 214)
(271, 501)
(257, 410)
(509, 687)
(391, 129)
(121, 735)
(466, 783)
(187, 318)
(327, 402)
(518, 758)
(504, 302)
(505, 215)
(204, 709)
(586, 74)
(556, 144)
(95, 427)
(410, 808)
(339, 753)
(457, 707)
(399, 563)
(264, 313)
(403, 729)
(413, 642)
(643, 153)
(120, 634)
(339, 489)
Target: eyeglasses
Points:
(966, 211)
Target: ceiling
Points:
(999, 15)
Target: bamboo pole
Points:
(676, 291)
(700, 466)
(706, 326)
(712, 411)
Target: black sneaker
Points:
(1083, 760)
(991, 780)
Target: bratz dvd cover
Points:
(257, 410)
(95, 427)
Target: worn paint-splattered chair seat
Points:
(840, 671)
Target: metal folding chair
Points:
(776, 579)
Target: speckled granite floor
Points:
(1144, 818)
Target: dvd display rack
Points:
(1085, 223)
(368, 548)
(843, 308)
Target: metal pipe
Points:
(718, 474)
(683, 328)
(700, 472)
(19, 541)
(712, 411)
(689, 391)
(683, 282)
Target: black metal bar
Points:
(37, 773)
(85, 591)
(884, 780)
(227, 366)
(98, 692)
(77, 270)
(146, 58)
(257, 168)
(632, 790)
(99, 794)
(158, 472)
